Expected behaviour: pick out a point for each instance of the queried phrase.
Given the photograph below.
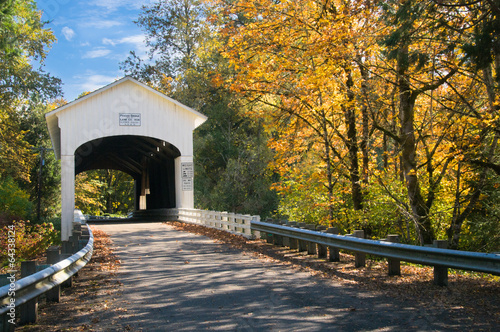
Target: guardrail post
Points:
(311, 246)
(67, 247)
(269, 236)
(332, 251)
(29, 310)
(53, 257)
(257, 234)
(360, 258)
(77, 226)
(285, 240)
(69, 282)
(277, 239)
(5, 326)
(440, 272)
(322, 252)
(292, 241)
(394, 264)
(302, 244)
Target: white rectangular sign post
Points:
(130, 119)
(187, 184)
(187, 171)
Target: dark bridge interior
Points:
(148, 160)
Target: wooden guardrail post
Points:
(440, 272)
(285, 240)
(269, 236)
(311, 246)
(394, 264)
(29, 310)
(53, 257)
(333, 253)
(322, 252)
(360, 258)
(302, 245)
(277, 239)
(5, 325)
(69, 282)
(257, 234)
(67, 247)
(293, 242)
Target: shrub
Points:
(30, 240)
(14, 202)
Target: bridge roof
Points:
(102, 97)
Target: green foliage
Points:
(14, 202)
(101, 192)
(481, 231)
(24, 86)
(231, 153)
(30, 240)
(231, 158)
(32, 121)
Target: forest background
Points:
(374, 115)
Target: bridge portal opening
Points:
(131, 127)
(149, 161)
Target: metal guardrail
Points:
(32, 286)
(462, 260)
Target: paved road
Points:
(177, 281)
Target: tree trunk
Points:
(329, 171)
(352, 145)
(364, 144)
(409, 153)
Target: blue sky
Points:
(93, 37)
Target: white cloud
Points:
(113, 5)
(92, 82)
(107, 41)
(68, 33)
(97, 53)
(101, 24)
(135, 43)
(138, 42)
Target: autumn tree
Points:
(378, 99)
(303, 60)
(230, 149)
(24, 43)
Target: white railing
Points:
(230, 222)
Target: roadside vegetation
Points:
(381, 116)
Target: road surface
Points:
(178, 281)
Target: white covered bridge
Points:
(133, 128)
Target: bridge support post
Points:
(184, 194)
(67, 195)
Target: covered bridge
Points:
(133, 128)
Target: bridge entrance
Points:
(133, 128)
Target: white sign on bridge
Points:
(130, 119)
